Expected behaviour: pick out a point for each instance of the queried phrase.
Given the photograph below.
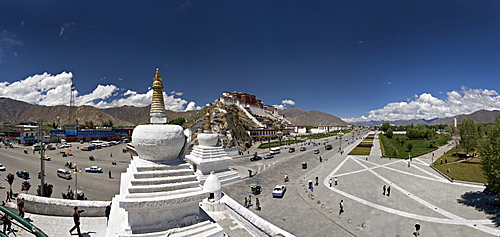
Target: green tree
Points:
(89, 123)
(409, 146)
(468, 130)
(25, 186)
(384, 127)
(177, 121)
(389, 133)
(47, 190)
(490, 153)
(401, 140)
(10, 180)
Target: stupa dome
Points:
(212, 184)
(158, 142)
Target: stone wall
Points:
(62, 207)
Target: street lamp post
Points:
(42, 161)
(340, 134)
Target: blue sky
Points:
(353, 59)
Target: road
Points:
(96, 186)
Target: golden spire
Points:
(208, 126)
(158, 114)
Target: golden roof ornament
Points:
(208, 125)
(158, 114)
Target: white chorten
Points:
(159, 194)
(207, 157)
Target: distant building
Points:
(250, 103)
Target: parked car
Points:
(291, 150)
(303, 148)
(23, 174)
(316, 151)
(268, 156)
(279, 191)
(2, 168)
(93, 169)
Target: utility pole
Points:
(42, 161)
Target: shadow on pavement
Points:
(483, 202)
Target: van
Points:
(275, 150)
(65, 174)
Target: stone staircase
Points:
(202, 229)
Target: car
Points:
(23, 174)
(303, 148)
(255, 158)
(279, 191)
(2, 168)
(93, 169)
(291, 150)
(268, 156)
(316, 151)
(45, 157)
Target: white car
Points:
(2, 168)
(46, 157)
(93, 169)
(279, 191)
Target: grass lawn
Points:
(458, 170)
(420, 147)
(360, 151)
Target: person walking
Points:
(286, 178)
(249, 200)
(330, 182)
(7, 224)
(257, 204)
(341, 206)
(335, 181)
(76, 220)
(384, 190)
(108, 212)
(20, 207)
(246, 202)
(388, 191)
(320, 159)
(109, 174)
(417, 229)
(316, 180)
(8, 197)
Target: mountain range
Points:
(14, 111)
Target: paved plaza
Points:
(418, 194)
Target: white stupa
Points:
(159, 193)
(207, 157)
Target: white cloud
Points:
(7, 42)
(176, 93)
(66, 29)
(285, 103)
(50, 90)
(426, 106)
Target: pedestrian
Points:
(330, 182)
(310, 184)
(246, 202)
(110, 154)
(109, 173)
(6, 223)
(249, 173)
(316, 180)
(417, 229)
(108, 212)
(320, 159)
(8, 197)
(20, 207)
(341, 205)
(384, 190)
(257, 204)
(367, 158)
(388, 191)
(335, 181)
(76, 220)
(408, 163)
(249, 200)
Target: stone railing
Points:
(62, 207)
